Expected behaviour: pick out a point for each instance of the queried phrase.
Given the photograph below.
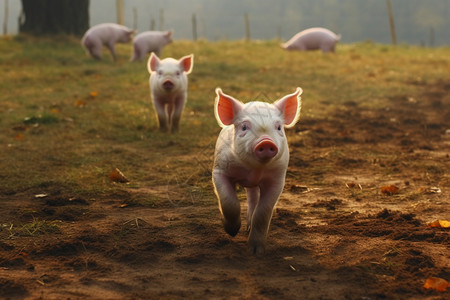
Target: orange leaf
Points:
(93, 94)
(437, 284)
(439, 223)
(19, 136)
(117, 176)
(389, 189)
(80, 103)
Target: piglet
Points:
(313, 39)
(150, 41)
(252, 151)
(168, 88)
(107, 34)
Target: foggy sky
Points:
(417, 22)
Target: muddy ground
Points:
(334, 233)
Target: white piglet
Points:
(150, 41)
(168, 88)
(252, 151)
(107, 34)
(313, 39)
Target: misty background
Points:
(417, 22)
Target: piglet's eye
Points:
(178, 73)
(160, 72)
(279, 127)
(244, 127)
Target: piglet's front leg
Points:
(262, 215)
(177, 110)
(252, 200)
(162, 116)
(228, 203)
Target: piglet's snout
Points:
(265, 149)
(168, 85)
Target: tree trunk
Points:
(55, 16)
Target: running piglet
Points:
(252, 151)
(168, 88)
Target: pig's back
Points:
(312, 37)
(147, 35)
(106, 31)
(150, 38)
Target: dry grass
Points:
(68, 120)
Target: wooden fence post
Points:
(152, 23)
(432, 36)
(5, 21)
(120, 18)
(194, 26)
(247, 27)
(135, 18)
(391, 22)
(161, 19)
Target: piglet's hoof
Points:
(232, 228)
(256, 248)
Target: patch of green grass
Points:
(33, 228)
(37, 227)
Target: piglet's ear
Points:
(153, 63)
(226, 108)
(187, 62)
(290, 107)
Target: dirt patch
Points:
(334, 234)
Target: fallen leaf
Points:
(389, 190)
(439, 223)
(352, 185)
(299, 188)
(20, 127)
(117, 176)
(19, 136)
(40, 196)
(429, 190)
(437, 284)
(80, 103)
(93, 94)
(435, 190)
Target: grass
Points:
(68, 120)
(32, 228)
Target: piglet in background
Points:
(150, 41)
(313, 39)
(168, 88)
(252, 151)
(107, 34)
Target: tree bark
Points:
(55, 16)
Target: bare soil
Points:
(334, 233)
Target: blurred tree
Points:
(54, 16)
